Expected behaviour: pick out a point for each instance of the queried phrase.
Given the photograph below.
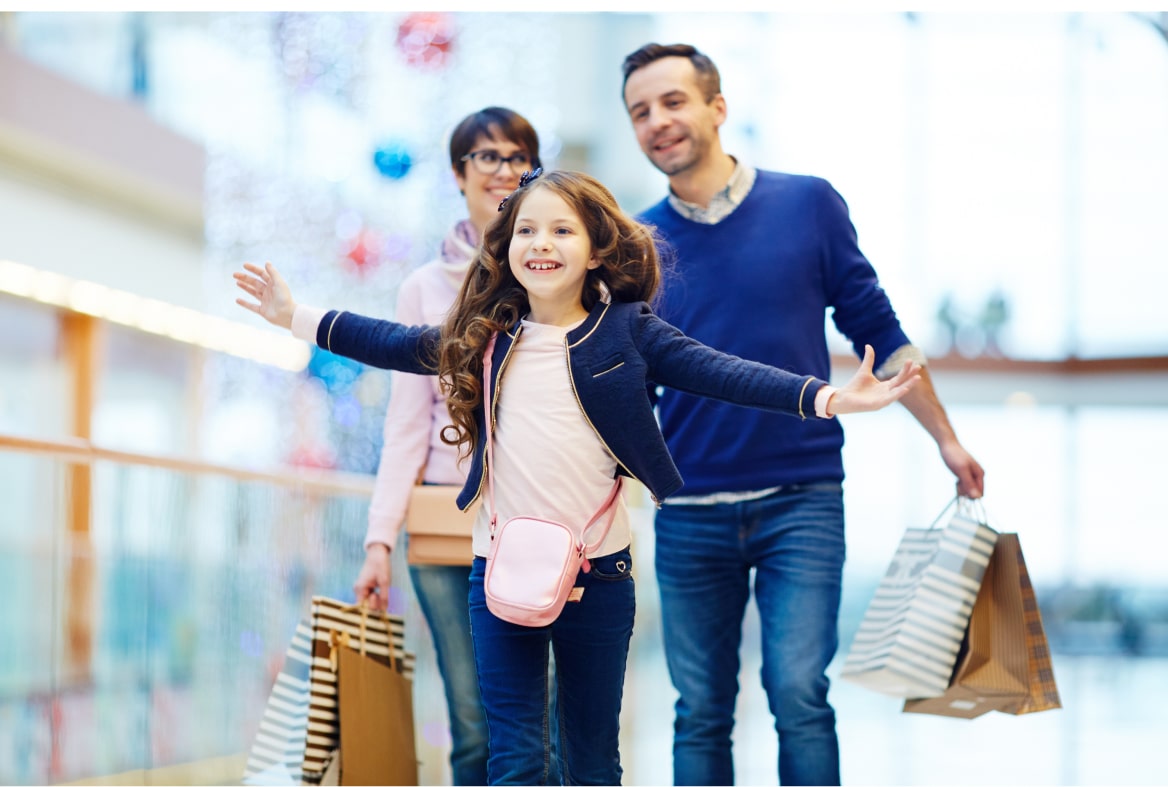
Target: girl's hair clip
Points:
(524, 179)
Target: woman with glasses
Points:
(489, 150)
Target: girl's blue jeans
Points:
(792, 544)
(590, 640)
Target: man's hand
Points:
(970, 476)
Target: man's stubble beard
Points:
(697, 153)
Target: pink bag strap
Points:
(609, 504)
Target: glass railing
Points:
(152, 639)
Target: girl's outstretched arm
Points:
(381, 343)
(864, 392)
(272, 295)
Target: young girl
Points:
(489, 149)
(564, 278)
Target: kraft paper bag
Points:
(1043, 692)
(997, 668)
(908, 641)
(377, 721)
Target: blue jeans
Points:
(442, 593)
(794, 541)
(590, 640)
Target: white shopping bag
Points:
(907, 642)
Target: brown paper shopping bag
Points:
(1043, 692)
(376, 718)
(999, 666)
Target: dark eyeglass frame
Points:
(474, 157)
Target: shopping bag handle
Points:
(394, 659)
(971, 505)
(341, 639)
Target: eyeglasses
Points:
(488, 162)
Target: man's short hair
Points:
(708, 78)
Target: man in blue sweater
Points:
(759, 256)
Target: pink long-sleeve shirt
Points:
(417, 412)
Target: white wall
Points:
(93, 188)
(47, 227)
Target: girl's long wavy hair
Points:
(492, 299)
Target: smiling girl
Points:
(488, 151)
(562, 281)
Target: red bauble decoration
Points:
(425, 39)
(365, 252)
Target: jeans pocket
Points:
(613, 568)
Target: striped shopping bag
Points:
(908, 640)
(299, 730)
(277, 753)
(381, 635)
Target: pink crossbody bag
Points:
(533, 563)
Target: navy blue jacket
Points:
(613, 357)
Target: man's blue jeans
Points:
(590, 640)
(794, 541)
(442, 593)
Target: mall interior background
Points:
(178, 480)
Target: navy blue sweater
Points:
(757, 285)
(612, 357)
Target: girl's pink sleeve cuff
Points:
(821, 398)
(305, 321)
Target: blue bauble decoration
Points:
(336, 372)
(393, 160)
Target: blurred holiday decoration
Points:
(398, 246)
(349, 242)
(364, 253)
(425, 39)
(336, 372)
(393, 160)
(322, 52)
(309, 442)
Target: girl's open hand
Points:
(273, 298)
(864, 392)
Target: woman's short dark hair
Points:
(495, 123)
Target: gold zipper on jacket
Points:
(491, 413)
(572, 382)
